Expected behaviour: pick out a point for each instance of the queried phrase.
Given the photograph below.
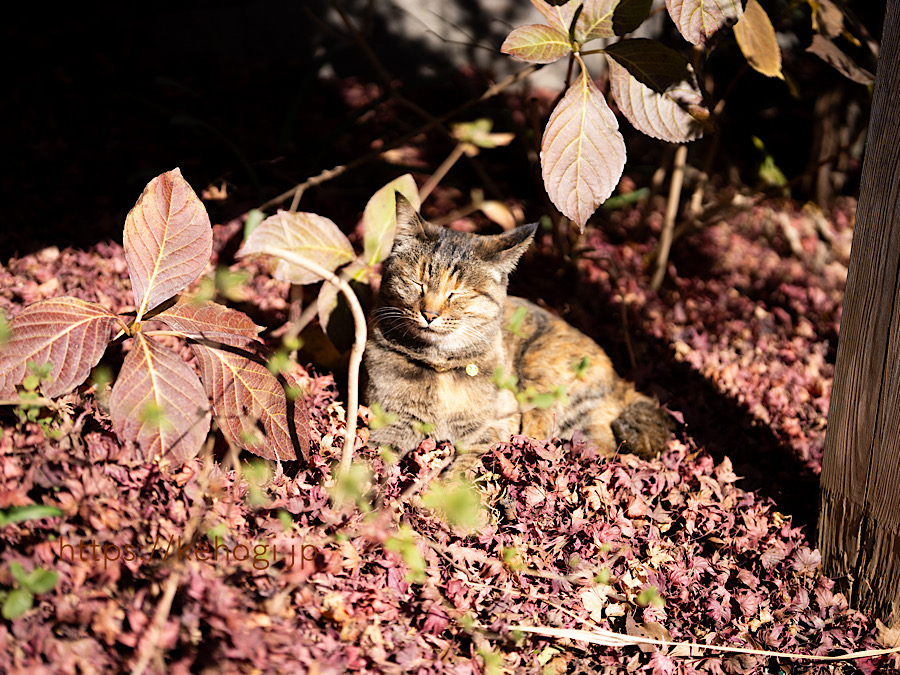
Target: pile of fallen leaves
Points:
(251, 564)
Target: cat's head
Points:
(443, 290)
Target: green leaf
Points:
(536, 43)
(458, 504)
(404, 543)
(18, 572)
(380, 217)
(17, 603)
(18, 514)
(253, 220)
(41, 580)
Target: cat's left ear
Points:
(504, 250)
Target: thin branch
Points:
(359, 344)
(441, 171)
(340, 169)
(665, 240)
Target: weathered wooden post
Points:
(859, 509)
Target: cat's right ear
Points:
(410, 225)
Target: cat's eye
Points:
(451, 295)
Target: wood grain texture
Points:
(859, 511)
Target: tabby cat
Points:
(442, 327)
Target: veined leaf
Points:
(306, 234)
(699, 20)
(158, 402)
(207, 318)
(380, 217)
(655, 89)
(537, 43)
(168, 240)
(582, 152)
(68, 333)
(829, 52)
(756, 38)
(629, 14)
(595, 20)
(558, 16)
(249, 403)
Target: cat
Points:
(442, 327)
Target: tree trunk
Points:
(859, 508)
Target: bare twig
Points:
(340, 169)
(441, 171)
(665, 240)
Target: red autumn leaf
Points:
(68, 333)
(168, 240)
(158, 402)
(250, 404)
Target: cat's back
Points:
(543, 349)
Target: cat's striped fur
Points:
(441, 329)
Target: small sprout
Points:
(512, 559)
(253, 220)
(381, 418)
(515, 322)
(581, 367)
(424, 428)
(459, 504)
(650, 596)
(286, 520)
(352, 486)
(404, 543)
(388, 456)
(258, 474)
(602, 577)
(18, 514)
(493, 661)
(279, 362)
(153, 414)
(20, 599)
(504, 381)
(5, 331)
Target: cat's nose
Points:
(429, 316)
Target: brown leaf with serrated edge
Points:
(655, 89)
(249, 403)
(582, 151)
(202, 318)
(756, 37)
(168, 240)
(536, 43)
(68, 333)
(159, 403)
(699, 20)
(307, 234)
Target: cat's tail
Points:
(643, 427)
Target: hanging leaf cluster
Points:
(158, 401)
(582, 151)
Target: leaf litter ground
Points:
(739, 345)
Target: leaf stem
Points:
(359, 343)
(665, 240)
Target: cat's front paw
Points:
(643, 429)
